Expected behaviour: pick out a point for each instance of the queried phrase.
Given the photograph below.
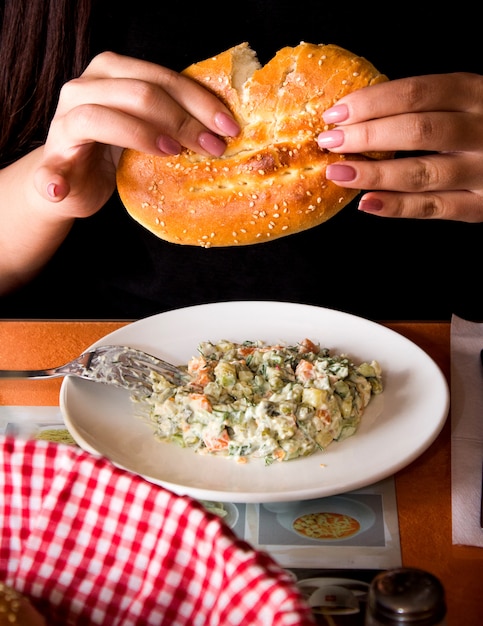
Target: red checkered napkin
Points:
(93, 544)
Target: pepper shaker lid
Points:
(406, 596)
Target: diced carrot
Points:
(198, 368)
(217, 443)
(200, 401)
(279, 454)
(304, 370)
(308, 346)
(246, 350)
(324, 416)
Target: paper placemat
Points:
(375, 547)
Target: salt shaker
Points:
(405, 596)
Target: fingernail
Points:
(52, 190)
(227, 124)
(331, 139)
(370, 205)
(339, 172)
(168, 145)
(338, 113)
(212, 144)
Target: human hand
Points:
(120, 102)
(439, 115)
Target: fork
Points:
(120, 366)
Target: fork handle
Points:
(51, 373)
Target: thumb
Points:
(51, 184)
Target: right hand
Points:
(121, 102)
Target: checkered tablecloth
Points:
(92, 544)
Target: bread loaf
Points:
(15, 608)
(270, 182)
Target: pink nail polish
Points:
(331, 139)
(370, 205)
(212, 144)
(338, 172)
(337, 113)
(52, 190)
(227, 125)
(168, 145)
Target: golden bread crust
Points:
(15, 608)
(270, 182)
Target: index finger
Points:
(193, 97)
(460, 91)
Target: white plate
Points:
(397, 427)
(309, 585)
(352, 600)
(335, 504)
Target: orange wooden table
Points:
(423, 488)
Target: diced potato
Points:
(314, 397)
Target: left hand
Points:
(440, 115)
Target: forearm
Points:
(31, 227)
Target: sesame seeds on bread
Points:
(270, 182)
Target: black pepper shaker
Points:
(406, 596)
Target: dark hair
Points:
(43, 44)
